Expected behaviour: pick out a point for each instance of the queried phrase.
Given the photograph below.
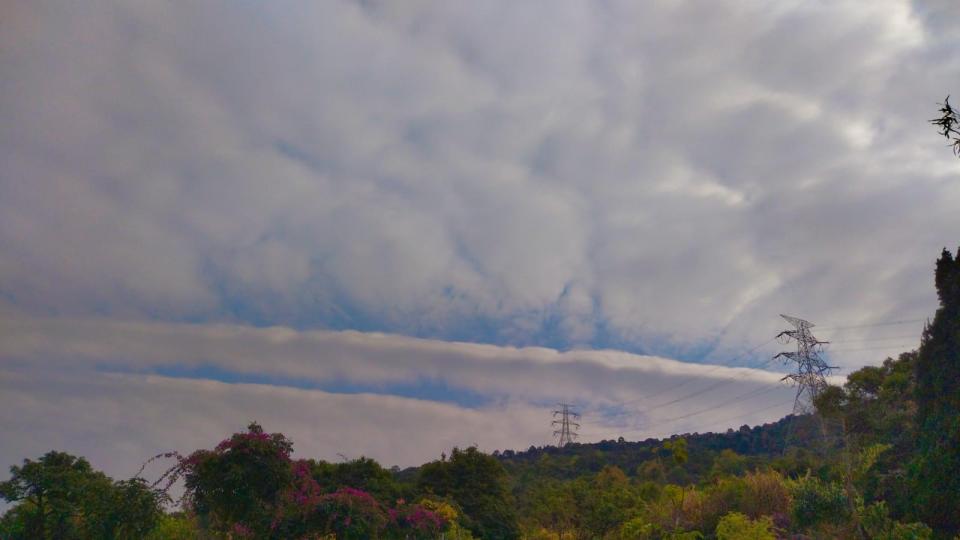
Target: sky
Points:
(391, 228)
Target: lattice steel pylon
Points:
(568, 428)
(812, 370)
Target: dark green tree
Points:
(477, 482)
(238, 484)
(61, 496)
(128, 509)
(935, 472)
(361, 473)
(48, 491)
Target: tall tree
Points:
(935, 472)
(49, 491)
(61, 496)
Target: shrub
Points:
(816, 502)
(736, 526)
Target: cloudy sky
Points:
(389, 228)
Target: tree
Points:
(61, 496)
(935, 472)
(362, 473)
(736, 526)
(477, 482)
(49, 490)
(607, 502)
(239, 483)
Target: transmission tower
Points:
(568, 427)
(812, 370)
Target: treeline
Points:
(880, 460)
(248, 486)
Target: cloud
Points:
(531, 374)
(661, 178)
(89, 387)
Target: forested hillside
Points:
(879, 460)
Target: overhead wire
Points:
(861, 340)
(904, 346)
(756, 391)
(711, 370)
(884, 323)
(690, 415)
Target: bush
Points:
(878, 525)
(816, 502)
(736, 526)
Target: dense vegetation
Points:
(879, 460)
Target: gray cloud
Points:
(658, 176)
(532, 374)
(85, 386)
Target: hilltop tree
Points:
(477, 482)
(935, 473)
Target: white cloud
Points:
(60, 388)
(314, 357)
(455, 171)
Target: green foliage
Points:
(729, 463)
(477, 482)
(637, 529)
(678, 450)
(815, 502)
(240, 481)
(127, 509)
(61, 496)
(878, 525)
(362, 473)
(736, 526)
(935, 471)
(684, 535)
(174, 527)
(604, 503)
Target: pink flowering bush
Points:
(415, 522)
(249, 487)
(236, 487)
(351, 513)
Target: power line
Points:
(684, 417)
(810, 376)
(861, 340)
(753, 392)
(711, 370)
(885, 323)
(758, 366)
(881, 348)
(699, 392)
(690, 415)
